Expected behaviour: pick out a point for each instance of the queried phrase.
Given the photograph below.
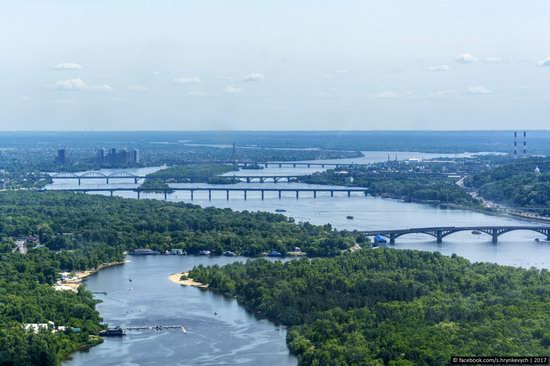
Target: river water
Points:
(234, 336)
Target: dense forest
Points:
(66, 221)
(517, 184)
(77, 231)
(409, 186)
(393, 307)
(27, 296)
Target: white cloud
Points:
(479, 90)
(444, 93)
(232, 90)
(493, 60)
(79, 85)
(545, 62)
(390, 94)
(187, 80)
(254, 77)
(465, 58)
(196, 93)
(138, 88)
(439, 68)
(68, 66)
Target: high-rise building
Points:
(133, 156)
(100, 156)
(61, 156)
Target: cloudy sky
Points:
(274, 65)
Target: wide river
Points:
(220, 332)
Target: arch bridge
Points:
(440, 232)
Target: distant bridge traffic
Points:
(440, 232)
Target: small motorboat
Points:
(280, 210)
(476, 232)
(349, 217)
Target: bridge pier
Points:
(309, 165)
(261, 180)
(135, 180)
(294, 165)
(280, 165)
(279, 194)
(247, 179)
(165, 195)
(439, 236)
(314, 194)
(78, 181)
(210, 195)
(297, 194)
(227, 194)
(322, 165)
(265, 165)
(112, 193)
(192, 194)
(494, 236)
(244, 194)
(332, 193)
(262, 194)
(349, 193)
(139, 194)
(392, 238)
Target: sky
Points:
(274, 65)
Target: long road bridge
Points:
(178, 178)
(440, 232)
(227, 190)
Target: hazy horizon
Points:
(282, 66)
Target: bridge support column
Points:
(297, 194)
(227, 194)
(495, 236)
(392, 238)
(322, 165)
(280, 165)
(439, 237)
(262, 195)
(165, 195)
(135, 180)
(192, 195)
(332, 193)
(314, 194)
(309, 165)
(279, 194)
(261, 180)
(349, 193)
(111, 193)
(210, 195)
(78, 181)
(244, 194)
(265, 165)
(247, 179)
(139, 194)
(294, 165)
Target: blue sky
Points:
(274, 65)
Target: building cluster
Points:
(117, 157)
(61, 157)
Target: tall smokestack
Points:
(524, 144)
(515, 145)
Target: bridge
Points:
(440, 232)
(227, 190)
(177, 178)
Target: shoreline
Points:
(176, 278)
(74, 282)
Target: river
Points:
(234, 336)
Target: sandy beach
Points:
(176, 278)
(76, 280)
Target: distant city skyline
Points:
(282, 65)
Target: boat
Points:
(349, 217)
(280, 210)
(204, 252)
(112, 332)
(476, 232)
(274, 253)
(143, 252)
(228, 253)
(379, 239)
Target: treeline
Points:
(197, 173)
(407, 186)
(393, 307)
(517, 184)
(66, 221)
(27, 296)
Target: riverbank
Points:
(176, 278)
(73, 282)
